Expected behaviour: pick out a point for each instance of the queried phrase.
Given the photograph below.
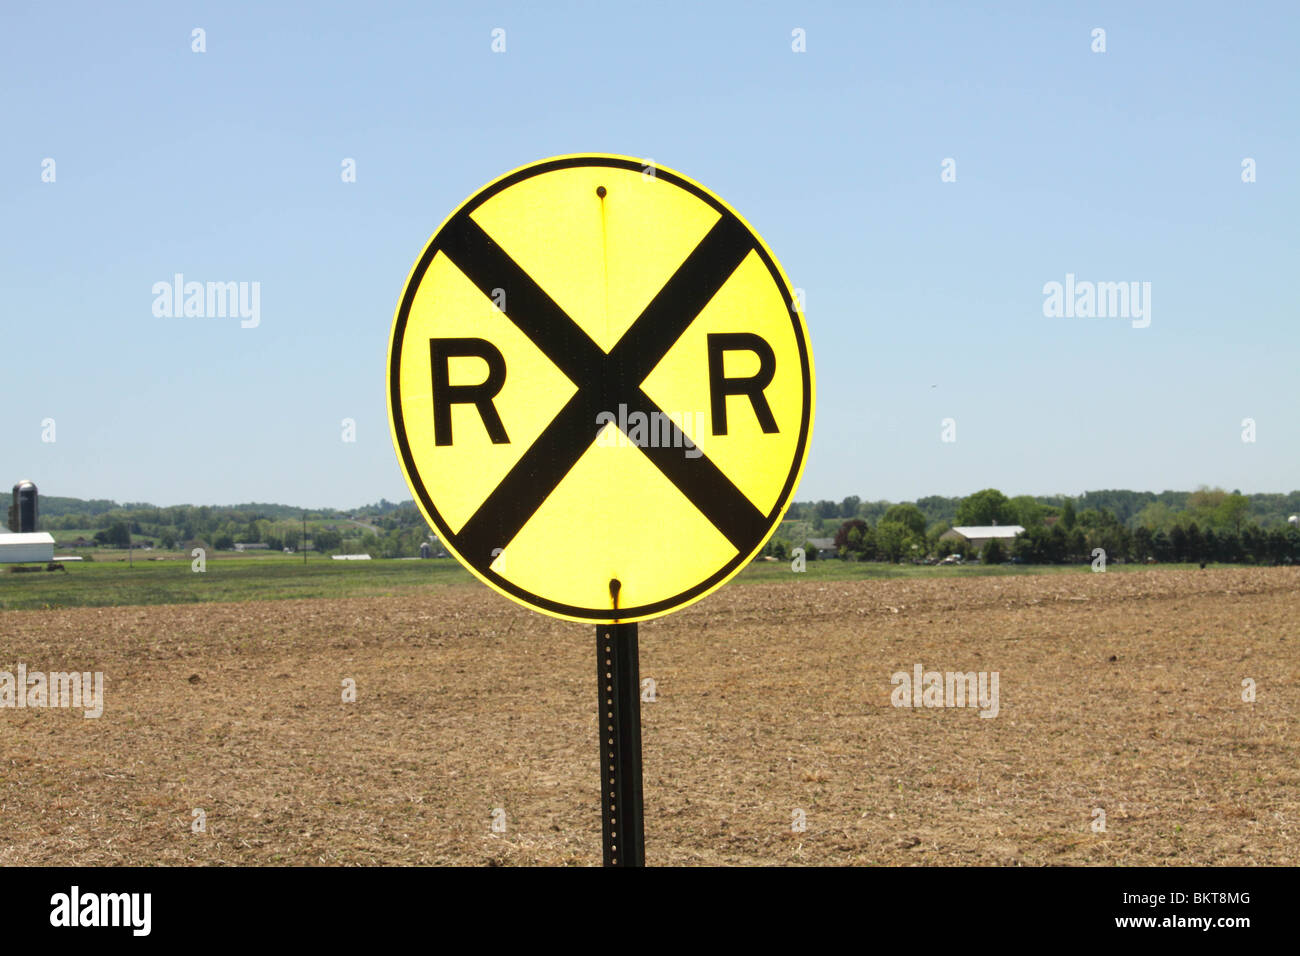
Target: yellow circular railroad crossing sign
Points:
(600, 388)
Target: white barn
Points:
(27, 548)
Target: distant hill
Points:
(384, 529)
(52, 506)
(55, 506)
(1266, 508)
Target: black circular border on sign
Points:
(399, 425)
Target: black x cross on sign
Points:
(605, 381)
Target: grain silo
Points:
(25, 507)
(26, 545)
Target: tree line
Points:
(384, 529)
(1208, 524)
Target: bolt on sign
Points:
(600, 388)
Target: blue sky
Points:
(924, 298)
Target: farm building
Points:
(26, 548)
(825, 547)
(23, 512)
(979, 535)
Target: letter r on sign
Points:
(445, 395)
(720, 386)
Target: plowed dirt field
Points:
(1117, 692)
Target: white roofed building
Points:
(27, 548)
(979, 535)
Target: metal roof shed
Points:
(30, 547)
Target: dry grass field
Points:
(1117, 691)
